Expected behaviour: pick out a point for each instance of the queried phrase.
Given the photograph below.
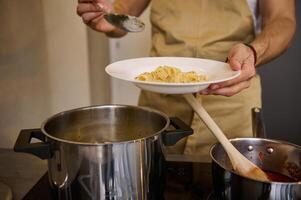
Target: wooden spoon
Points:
(240, 163)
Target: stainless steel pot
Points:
(104, 152)
(271, 155)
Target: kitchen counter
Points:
(22, 171)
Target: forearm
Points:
(274, 39)
(278, 28)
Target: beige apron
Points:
(203, 29)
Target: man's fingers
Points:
(232, 90)
(89, 16)
(240, 54)
(240, 58)
(246, 73)
(87, 7)
(235, 63)
(228, 83)
(85, 1)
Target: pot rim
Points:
(254, 139)
(105, 143)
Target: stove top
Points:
(179, 184)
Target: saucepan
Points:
(104, 152)
(281, 160)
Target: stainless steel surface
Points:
(115, 171)
(285, 158)
(105, 152)
(258, 126)
(107, 124)
(125, 22)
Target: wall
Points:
(24, 80)
(43, 63)
(133, 45)
(67, 51)
(98, 47)
(281, 91)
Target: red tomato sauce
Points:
(277, 177)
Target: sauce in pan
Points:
(277, 177)
(293, 169)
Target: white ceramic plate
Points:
(127, 70)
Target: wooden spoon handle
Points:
(212, 126)
(239, 163)
(202, 113)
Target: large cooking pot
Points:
(104, 152)
(272, 156)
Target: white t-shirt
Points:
(254, 7)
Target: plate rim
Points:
(235, 73)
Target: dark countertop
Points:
(22, 171)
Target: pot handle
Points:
(39, 149)
(258, 125)
(171, 137)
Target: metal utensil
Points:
(125, 22)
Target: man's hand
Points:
(240, 57)
(92, 13)
(277, 16)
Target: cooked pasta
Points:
(171, 75)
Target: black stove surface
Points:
(179, 184)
